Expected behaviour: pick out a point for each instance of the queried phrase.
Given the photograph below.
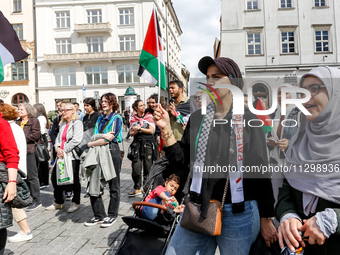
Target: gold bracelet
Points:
(167, 135)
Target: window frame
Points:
(17, 95)
(286, 4)
(322, 29)
(131, 42)
(287, 30)
(247, 43)
(16, 4)
(90, 16)
(68, 76)
(124, 14)
(252, 5)
(18, 30)
(100, 43)
(320, 1)
(66, 18)
(132, 71)
(25, 72)
(93, 72)
(68, 45)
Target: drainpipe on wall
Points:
(35, 54)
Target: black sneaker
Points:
(108, 221)
(33, 207)
(93, 221)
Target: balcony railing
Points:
(92, 27)
(68, 57)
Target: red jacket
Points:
(9, 153)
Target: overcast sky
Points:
(199, 20)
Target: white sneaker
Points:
(20, 237)
(74, 207)
(55, 206)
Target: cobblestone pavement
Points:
(59, 232)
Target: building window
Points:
(65, 76)
(286, 3)
(18, 29)
(96, 75)
(94, 16)
(127, 42)
(126, 16)
(20, 70)
(63, 19)
(288, 42)
(321, 40)
(17, 6)
(252, 5)
(19, 98)
(128, 74)
(95, 44)
(319, 3)
(63, 46)
(254, 43)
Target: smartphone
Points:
(271, 139)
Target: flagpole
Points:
(158, 43)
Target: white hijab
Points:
(317, 142)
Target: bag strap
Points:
(225, 192)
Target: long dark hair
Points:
(42, 112)
(92, 102)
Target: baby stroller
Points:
(144, 236)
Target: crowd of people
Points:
(299, 210)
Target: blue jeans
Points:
(152, 212)
(238, 233)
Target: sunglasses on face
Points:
(197, 97)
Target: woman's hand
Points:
(271, 142)
(283, 144)
(288, 230)
(10, 192)
(312, 230)
(268, 231)
(161, 118)
(60, 153)
(109, 136)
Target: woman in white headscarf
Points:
(282, 135)
(309, 199)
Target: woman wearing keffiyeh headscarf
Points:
(248, 202)
(309, 199)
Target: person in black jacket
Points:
(92, 113)
(55, 129)
(249, 202)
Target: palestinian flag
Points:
(10, 47)
(267, 127)
(152, 54)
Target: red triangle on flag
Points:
(150, 42)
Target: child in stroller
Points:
(163, 195)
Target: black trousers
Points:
(114, 186)
(32, 178)
(75, 187)
(144, 163)
(3, 239)
(43, 172)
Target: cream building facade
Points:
(277, 41)
(91, 47)
(20, 78)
